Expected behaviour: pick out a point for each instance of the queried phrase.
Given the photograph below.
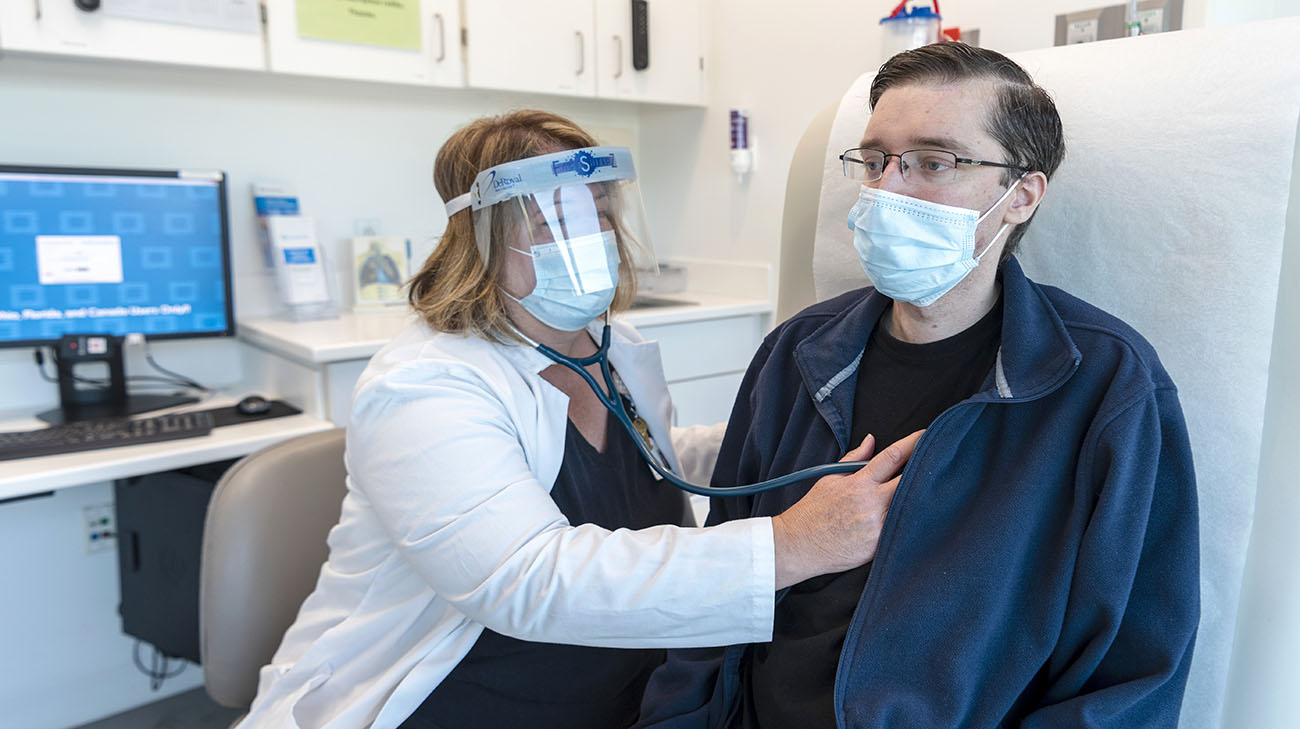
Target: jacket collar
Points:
(1036, 354)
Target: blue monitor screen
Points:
(87, 251)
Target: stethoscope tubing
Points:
(615, 406)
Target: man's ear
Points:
(1024, 201)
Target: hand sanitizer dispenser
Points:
(742, 152)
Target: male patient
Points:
(1038, 567)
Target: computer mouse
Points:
(253, 405)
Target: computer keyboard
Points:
(89, 435)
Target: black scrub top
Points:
(507, 682)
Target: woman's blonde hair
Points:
(456, 290)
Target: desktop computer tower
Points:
(160, 539)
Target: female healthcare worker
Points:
(504, 557)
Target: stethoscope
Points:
(614, 404)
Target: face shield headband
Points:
(542, 174)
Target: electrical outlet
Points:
(100, 528)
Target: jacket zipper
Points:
(868, 595)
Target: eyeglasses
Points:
(918, 166)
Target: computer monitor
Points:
(112, 252)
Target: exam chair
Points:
(263, 547)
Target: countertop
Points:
(359, 335)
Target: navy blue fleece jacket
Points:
(1038, 567)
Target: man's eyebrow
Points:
(945, 143)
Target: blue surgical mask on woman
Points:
(575, 283)
(915, 250)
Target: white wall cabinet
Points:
(579, 48)
(584, 48)
(704, 362)
(437, 62)
(676, 70)
(59, 26)
(706, 400)
(524, 45)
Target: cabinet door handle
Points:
(582, 53)
(618, 39)
(442, 37)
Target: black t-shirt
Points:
(901, 388)
(507, 682)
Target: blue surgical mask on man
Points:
(914, 250)
(575, 283)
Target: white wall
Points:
(1226, 12)
(783, 63)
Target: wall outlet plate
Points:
(100, 528)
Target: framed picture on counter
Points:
(380, 265)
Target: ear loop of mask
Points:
(1005, 226)
(528, 229)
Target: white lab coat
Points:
(448, 526)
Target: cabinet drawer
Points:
(341, 377)
(703, 348)
(705, 401)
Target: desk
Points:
(27, 476)
(62, 601)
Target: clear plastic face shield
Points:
(571, 224)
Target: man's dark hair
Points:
(1022, 118)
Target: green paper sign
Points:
(386, 23)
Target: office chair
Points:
(263, 547)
